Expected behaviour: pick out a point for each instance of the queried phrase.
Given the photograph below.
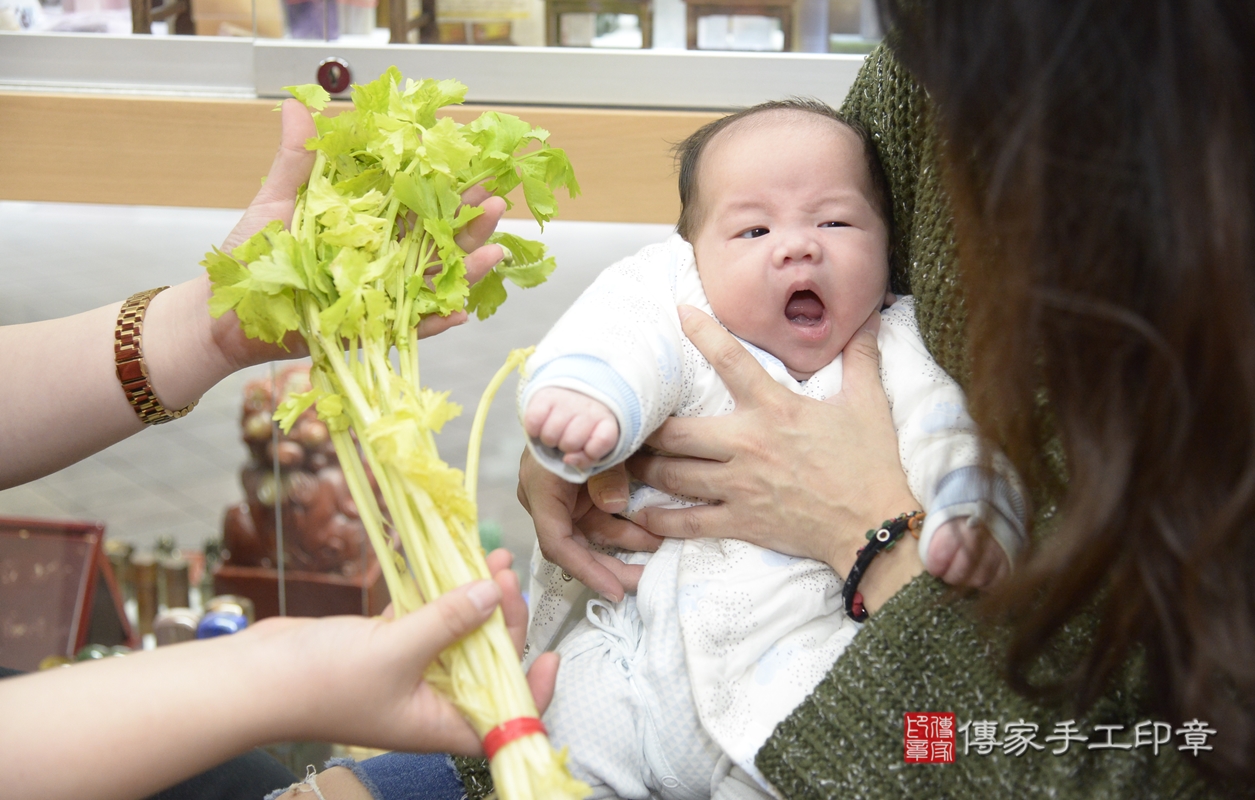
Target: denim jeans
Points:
(407, 776)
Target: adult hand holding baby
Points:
(784, 471)
(571, 517)
(767, 469)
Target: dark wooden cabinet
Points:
(57, 592)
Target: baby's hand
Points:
(964, 553)
(581, 427)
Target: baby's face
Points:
(791, 249)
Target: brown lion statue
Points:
(322, 531)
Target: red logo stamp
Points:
(928, 738)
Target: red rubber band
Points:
(509, 731)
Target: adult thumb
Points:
(861, 362)
(609, 489)
(439, 624)
(291, 167)
(292, 163)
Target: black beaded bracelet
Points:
(879, 539)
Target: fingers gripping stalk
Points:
(372, 252)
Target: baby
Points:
(784, 238)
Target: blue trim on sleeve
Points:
(596, 373)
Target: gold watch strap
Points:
(128, 355)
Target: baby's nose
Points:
(798, 246)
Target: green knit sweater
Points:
(923, 651)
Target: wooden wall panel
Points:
(213, 153)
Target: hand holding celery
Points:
(371, 252)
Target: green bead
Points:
(92, 652)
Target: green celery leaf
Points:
(539, 197)
(281, 266)
(525, 276)
(276, 270)
(445, 148)
(424, 299)
(465, 215)
(363, 182)
(331, 411)
(290, 410)
(317, 281)
(487, 295)
(504, 183)
(343, 134)
(312, 95)
(258, 244)
(431, 197)
(525, 265)
(344, 316)
(441, 233)
(360, 230)
(223, 269)
(544, 171)
(224, 299)
(448, 289)
(519, 250)
(420, 100)
(375, 96)
(380, 313)
(388, 159)
(418, 196)
(501, 134)
(394, 142)
(267, 316)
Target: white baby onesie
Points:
(757, 630)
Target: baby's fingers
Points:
(963, 554)
(941, 551)
(576, 435)
(602, 439)
(993, 565)
(961, 569)
(537, 414)
(554, 426)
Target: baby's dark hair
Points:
(688, 155)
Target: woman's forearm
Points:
(62, 400)
(128, 727)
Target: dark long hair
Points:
(1101, 159)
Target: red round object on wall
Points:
(334, 75)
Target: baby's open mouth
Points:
(804, 308)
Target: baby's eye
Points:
(754, 233)
(835, 224)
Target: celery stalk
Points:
(381, 209)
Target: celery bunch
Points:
(370, 253)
